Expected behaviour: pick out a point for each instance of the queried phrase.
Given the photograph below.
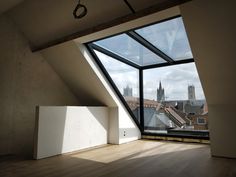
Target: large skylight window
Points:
(174, 79)
(126, 79)
(170, 37)
(154, 74)
(173, 99)
(130, 49)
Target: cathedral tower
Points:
(160, 93)
(191, 92)
(127, 91)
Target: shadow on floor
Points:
(177, 161)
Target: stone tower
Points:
(127, 91)
(191, 92)
(160, 93)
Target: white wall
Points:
(211, 27)
(113, 136)
(66, 129)
(127, 129)
(70, 64)
(76, 66)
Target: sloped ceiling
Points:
(44, 21)
(5, 5)
(68, 61)
(142, 4)
(52, 19)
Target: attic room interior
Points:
(117, 88)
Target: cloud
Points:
(175, 79)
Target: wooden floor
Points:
(137, 159)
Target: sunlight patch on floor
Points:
(133, 150)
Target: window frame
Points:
(200, 123)
(91, 47)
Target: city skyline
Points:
(175, 79)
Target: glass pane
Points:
(174, 100)
(131, 50)
(170, 37)
(126, 79)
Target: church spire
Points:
(160, 87)
(160, 93)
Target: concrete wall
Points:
(211, 29)
(64, 129)
(26, 80)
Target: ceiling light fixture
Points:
(80, 11)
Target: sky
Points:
(175, 79)
(171, 38)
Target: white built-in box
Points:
(62, 129)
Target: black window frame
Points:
(169, 62)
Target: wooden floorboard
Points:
(142, 158)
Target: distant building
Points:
(191, 92)
(160, 93)
(187, 106)
(199, 122)
(193, 107)
(128, 91)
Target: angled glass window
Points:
(126, 79)
(174, 99)
(130, 49)
(170, 37)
